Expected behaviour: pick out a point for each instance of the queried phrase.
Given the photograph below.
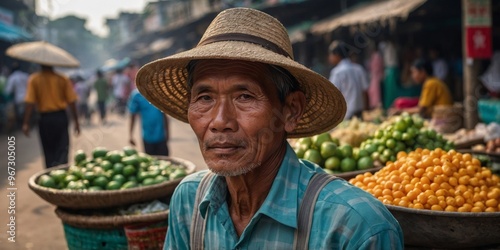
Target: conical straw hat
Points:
(249, 35)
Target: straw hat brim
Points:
(163, 83)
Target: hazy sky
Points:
(95, 11)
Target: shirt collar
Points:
(281, 204)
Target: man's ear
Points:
(295, 104)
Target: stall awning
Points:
(373, 12)
(12, 33)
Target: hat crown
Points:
(255, 23)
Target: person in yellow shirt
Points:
(434, 91)
(51, 93)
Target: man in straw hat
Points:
(244, 95)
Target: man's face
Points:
(418, 75)
(334, 59)
(235, 113)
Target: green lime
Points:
(328, 149)
(148, 181)
(332, 163)
(129, 170)
(99, 152)
(305, 141)
(129, 184)
(313, 155)
(178, 173)
(347, 165)
(362, 153)
(119, 178)
(106, 165)
(58, 175)
(113, 185)
(100, 181)
(378, 134)
(141, 175)
(405, 137)
(346, 150)
(365, 163)
(390, 143)
(131, 160)
(397, 135)
(317, 140)
(114, 156)
(89, 176)
(118, 168)
(70, 178)
(160, 179)
(400, 125)
(375, 156)
(80, 156)
(46, 181)
(128, 150)
(336, 141)
(370, 148)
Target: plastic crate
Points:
(489, 110)
(95, 239)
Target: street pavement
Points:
(36, 225)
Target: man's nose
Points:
(224, 117)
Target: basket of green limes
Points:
(110, 178)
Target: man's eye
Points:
(204, 98)
(244, 97)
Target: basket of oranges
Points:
(442, 199)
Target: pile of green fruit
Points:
(112, 170)
(406, 133)
(326, 151)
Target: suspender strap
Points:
(198, 224)
(306, 210)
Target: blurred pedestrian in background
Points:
(51, 93)
(16, 85)
(101, 86)
(439, 64)
(350, 78)
(120, 83)
(434, 91)
(154, 125)
(82, 90)
(376, 69)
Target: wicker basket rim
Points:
(190, 167)
(108, 221)
(443, 213)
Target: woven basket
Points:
(82, 220)
(148, 236)
(95, 239)
(107, 198)
(349, 175)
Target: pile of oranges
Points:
(436, 180)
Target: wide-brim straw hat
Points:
(248, 35)
(44, 53)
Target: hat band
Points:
(240, 37)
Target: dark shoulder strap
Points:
(306, 210)
(197, 230)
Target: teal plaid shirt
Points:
(345, 217)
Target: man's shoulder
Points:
(192, 180)
(353, 200)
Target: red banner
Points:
(479, 42)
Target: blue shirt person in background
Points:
(243, 95)
(154, 125)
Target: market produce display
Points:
(112, 170)
(434, 179)
(326, 151)
(353, 132)
(403, 133)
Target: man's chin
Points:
(230, 170)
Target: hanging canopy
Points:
(373, 12)
(13, 33)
